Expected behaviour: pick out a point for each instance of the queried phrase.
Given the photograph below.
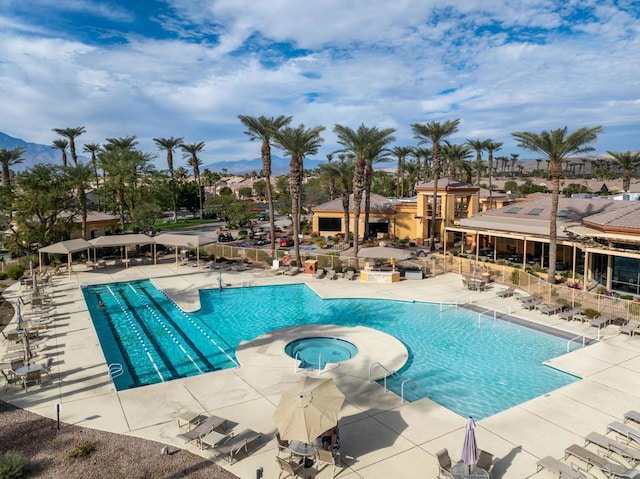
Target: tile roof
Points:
(379, 204)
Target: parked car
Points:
(285, 242)
(225, 238)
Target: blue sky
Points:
(187, 68)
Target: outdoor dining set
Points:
(23, 361)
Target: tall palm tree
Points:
(169, 145)
(80, 175)
(419, 153)
(401, 153)
(343, 171)
(376, 155)
(62, 145)
(71, 134)
(263, 129)
(434, 133)
(297, 143)
(557, 145)
(331, 176)
(8, 158)
(628, 162)
(491, 147)
(478, 146)
(190, 151)
(94, 149)
(413, 169)
(455, 156)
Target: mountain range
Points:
(35, 153)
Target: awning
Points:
(189, 241)
(121, 240)
(66, 247)
(384, 253)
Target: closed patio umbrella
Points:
(308, 409)
(469, 447)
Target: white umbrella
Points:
(308, 409)
(384, 252)
(469, 447)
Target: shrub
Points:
(591, 313)
(3, 275)
(628, 297)
(11, 464)
(83, 449)
(454, 251)
(515, 277)
(15, 271)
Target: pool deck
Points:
(380, 436)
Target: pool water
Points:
(315, 353)
(473, 368)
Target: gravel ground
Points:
(48, 451)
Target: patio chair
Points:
(331, 274)
(631, 328)
(601, 321)
(608, 468)
(559, 468)
(326, 458)
(32, 377)
(202, 429)
(506, 293)
(10, 380)
(283, 446)
(628, 432)
(444, 464)
(570, 314)
(630, 454)
(350, 275)
(233, 444)
(632, 416)
(291, 469)
(46, 366)
(549, 309)
(485, 461)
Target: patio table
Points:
(463, 471)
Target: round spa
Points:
(316, 352)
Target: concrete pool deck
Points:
(380, 436)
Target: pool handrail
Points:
(584, 341)
(115, 370)
(378, 363)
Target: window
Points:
(535, 212)
(330, 224)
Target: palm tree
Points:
(190, 152)
(478, 146)
(455, 155)
(343, 171)
(71, 134)
(297, 143)
(80, 175)
(401, 153)
(557, 145)
(263, 129)
(514, 159)
(413, 170)
(426, 154)
(360, 144)
(377, 155)
(8, 158)
(62, 145)
(628, 162)
(169, 145)
(94, 149)
(434, 133)
(491, 147)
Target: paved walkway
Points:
(380, 436)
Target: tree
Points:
(190, 151)
(478, 146)
(491, 147)
(343, 171)
(413, 170)
(62, 145)
(434, 133)
(557, 145)
(9, 158)
(263, 129)
(455, 156)
(169, 145)
(71, 134)
(297, 143)
(79, 176)
(628, 162)
(401, 153)
(377, 154)
(94, 149)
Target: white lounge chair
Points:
(628, 453)
(628, 432)
(331, 274)
(632, 416)
(608, 468)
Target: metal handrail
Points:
(374, 363)
(115, 370)
(584, 341)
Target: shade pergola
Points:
(122, 240)
(65, 247)
(184, 240)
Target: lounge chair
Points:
(319, 274)
(202, 429)
(350, 275)
(628, 432)
(444, 464)
(632, 416)
(559, 468)
(632, 327)
(235, 443)
(608, 468)
(630, 454)
(293, 271)
(331, 274)
(549, 309)
(291, 469)
(506, 293)
(570, 314)
(531, 304)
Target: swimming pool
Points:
(475, 369)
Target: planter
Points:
(413, 274)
